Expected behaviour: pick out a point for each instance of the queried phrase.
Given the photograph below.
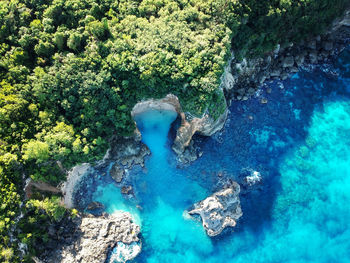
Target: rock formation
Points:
(205, 125)
(96, 237)
(127, 151)
(220, 210)
(117, 173)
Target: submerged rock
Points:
(94, 238)
(220, 210)
(127, 190)
(117, 173)
(95, 205)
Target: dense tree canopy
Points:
(71, 70)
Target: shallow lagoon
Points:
(300, 143)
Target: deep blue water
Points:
(300, 143)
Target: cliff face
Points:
(205, 125)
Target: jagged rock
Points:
(311, 44)
(206, 126)
(220, 210)
(313, 57)
(275, 73)
(288, 62)
(95, 237)
(252, 179)
(299, 59)
(117, 173)
(127, 151)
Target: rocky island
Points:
(220, 210)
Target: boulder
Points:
(117, 173)
(220, 210)
(313, 57)
(312, 44)
(96, 237)
(288, 62)
(299, 59)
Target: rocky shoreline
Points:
(91, 239)
(241, 80)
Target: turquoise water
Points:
(299, 142)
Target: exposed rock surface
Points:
(74, 177)
(220, 210)
(127, 151)
(117, 173)
(94, 238)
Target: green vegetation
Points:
(71, 70)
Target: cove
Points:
(299, 141)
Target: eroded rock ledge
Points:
(205, 125)
(95, 237)
(220, 210)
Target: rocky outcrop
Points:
(117, 173)
(96, 237)
(206, 125)
(127, 151)
(220, 210)
(249, 178)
